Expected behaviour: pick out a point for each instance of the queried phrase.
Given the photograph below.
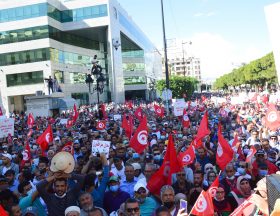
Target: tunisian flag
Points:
(213, 188)
(127, 125)
(185, 119)
(75, 114)
(30, 120)
(138, 113)
(169, 166)
(68, 147)
(251, 154)
(45, 138)
(272, 118)
(139, 140)
(101, 125)
(187, 157)
(103, 109)
(26, 154)
(224, 152)
(203, 205)
(203, 131)
(159, 110)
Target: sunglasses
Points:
(181, 174)
(209, 168)
(129, 210)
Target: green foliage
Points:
(179, 86)
(257, 72)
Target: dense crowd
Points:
(103, 185)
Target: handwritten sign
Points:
(179, 107)
(6, 127)
(99, 146)
(117, 117)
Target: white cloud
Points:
(212, 13)
(198, 14)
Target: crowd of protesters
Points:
(117, 185)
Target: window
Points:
(28, 78)
(83, 98)
(135, 80)
(76, 77)
(59, 75)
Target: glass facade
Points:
(135, 80)
(76, 77)
(82, 97)
(44, 9)
(40, 32)
(128, 67)
(23, 57)
(59, 75)
(28, 78)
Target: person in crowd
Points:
(222, 205)
(197, 187)
(229, 181)
(181, 185)
(7, 164)
(62, 198)
(131, 207)
(119, 168)
(72, 211)
(115, 196)
(87, 204)
(128, 184)
(50, 84)
(167, 196)
(147, 204)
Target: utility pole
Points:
(165, 48)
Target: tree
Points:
(179, 86)
(257, 73)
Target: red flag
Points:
(203, 205)
(30, 120)
(45, 138)
(138, 113)
(139, 140)
(187, 157)
(159, 110)
(235, 141)
(69, 123)
(1, 112)
(9, 138)
(251, 154)
(30, 132)
(169, 166)
(129, 104)
(68, 147)
(213, 188)
(2, 211)
(240, 211)
(26, 154)
(101, 125)
(103, 109)
(203, 130)
(75, 114)
(127, 125)
(224, 152)
(272, 118)
(186, 120)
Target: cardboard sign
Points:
(100, 146)
(6, 127)
(117, 117)
(63, 121)
(179, 107)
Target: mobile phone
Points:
(183, 204)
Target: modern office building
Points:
(42, 38)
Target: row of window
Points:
(44, 9)
(28, 78)
(44, 54)
(40, 32)
(23, 57)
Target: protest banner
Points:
(117, 117)
(179, 107)
(100, 146)
(63, 121)
(6, 127)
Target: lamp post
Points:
(96, 71)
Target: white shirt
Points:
(119, 173)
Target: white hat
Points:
(138, 185)
(136, 166)
(7, 155)
(72, 209)
(153, 142)
(63, 161)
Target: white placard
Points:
(7, 126)
(63, 121)
(100, 146)
(179, 107)
(237, 100)
(117, 117)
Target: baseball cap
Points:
(30, 210)
(260, 152)
(138, 185)
(114, 178)
(136, 166)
